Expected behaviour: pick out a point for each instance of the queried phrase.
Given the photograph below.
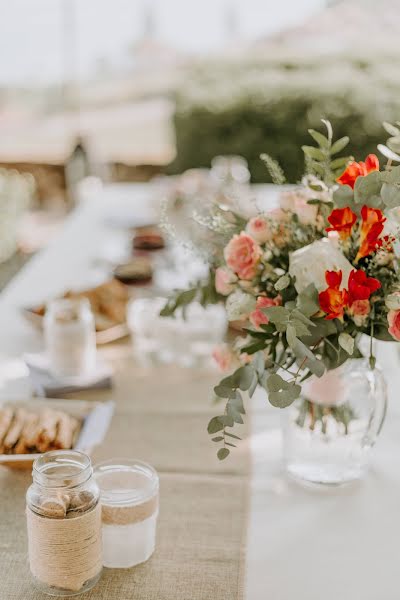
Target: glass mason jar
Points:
(329, 431)
(70, 337)
(64, 524)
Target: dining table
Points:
(237, 529)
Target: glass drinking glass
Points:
(129, 498)
(70, 337)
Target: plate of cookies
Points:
(108, 302)
(30, 427)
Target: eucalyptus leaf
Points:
(282, 283)
(275, 382)
(346, 342)
(286, 397)
(390, 194)
(215, 425)
(367, 187)
(291, 335)
(343, 196)
(224, 391)
(307, 358)
(258, 363)
(299, 327)
(243, 377)
(307, 301)
(253, 386)
(297, 314)
(226, 420)
(392, 176)
(223, 453)
(277, 314)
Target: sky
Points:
(35, 48)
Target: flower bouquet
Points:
(302, 283)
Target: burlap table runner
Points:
(161, 416)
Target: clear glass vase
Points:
(329, 431)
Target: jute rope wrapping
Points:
(127, 515)
(65, 553)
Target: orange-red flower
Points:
(361, 287)
(342, 221)
(371, 229)
(333, 301)
(354, 170)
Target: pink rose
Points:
(242, 255)
(259, 229)
(224, 279)
(257, 317)
(224, 357)
(361, 307)
(360, 310)
(394, 323)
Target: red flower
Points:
(342, 221)
(361, 287)
(371, 229)
(354, 170)
(333, 301)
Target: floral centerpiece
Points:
(303, 281)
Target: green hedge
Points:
(248, 110)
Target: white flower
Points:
(309, 264)
(239, 305)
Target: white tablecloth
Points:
(302, 544)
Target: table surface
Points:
(301, 543)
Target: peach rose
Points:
(257, 317)
(360, 310)
(224, 280)
(259, 229)
(242, 255)
(394, 323)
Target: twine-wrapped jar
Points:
(64, 523)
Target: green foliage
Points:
(379, 189)
(253, 108)
(274, 169)
(391, 150)
(204, 292)
(320, 161)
